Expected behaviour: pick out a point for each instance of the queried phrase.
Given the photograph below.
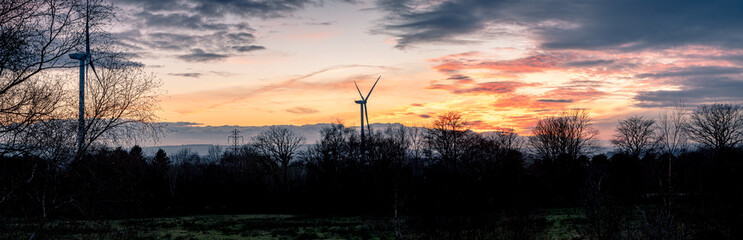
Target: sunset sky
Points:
(503, 64)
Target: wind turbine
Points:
(364, 110)
(85, 60)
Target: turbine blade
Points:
(357, 89)
(87, 38)
(87, 29)
(372, 89)
(87, 42)
(94, 72)
(368, 124)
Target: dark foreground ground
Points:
(554, 224)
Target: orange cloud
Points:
(536, 63)
(302, 110)
(480, 88)
(574, 94)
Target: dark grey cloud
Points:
(321, 23)
(586, 83)
(210, 14)
(697, 85)
(459, 78)
(424, 115)
(199, 74)
(222, 73)
(556, 100)
(733, 58)
(693, 71)
(248, 48)
(442, 22)
(180, 124)
(203, 46)
(262, 8)
(219, 28)
(221, 8)
(199, 55)
(695, 90)
(617, 24)
(640, 24)
(104, 58)
(589, 63)
(167, 41)
(191, 75)
(179, 20)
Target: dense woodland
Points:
(441, 170)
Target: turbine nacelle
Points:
(360, 101)
(78, 56)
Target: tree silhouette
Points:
(447, 139)
(717, 126)
(280, 145)
(161, 159)
(671, 129)
(36, 36)
(122, 104)
(568, 134)
(635, 136)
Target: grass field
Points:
(553, 224)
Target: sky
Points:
(503, 64)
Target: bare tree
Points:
(36, 36)
(122, 104)
(635, 135)
(447, 138)
(717, 126)
(337, 147)
(507, 140)
(417, 140)
(395, 144)
(672, 135)
(671, 131)
(568, 134)
(215, 154)
(21, 111)
(121, 109)
(279, 144)
(185, 156)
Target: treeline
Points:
(673, 185)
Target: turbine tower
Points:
(85, 60)
(364, 110)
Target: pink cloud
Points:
(535, 63)
(480, 88)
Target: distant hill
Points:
(201, 149)
(182, 135)
(185, 133)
